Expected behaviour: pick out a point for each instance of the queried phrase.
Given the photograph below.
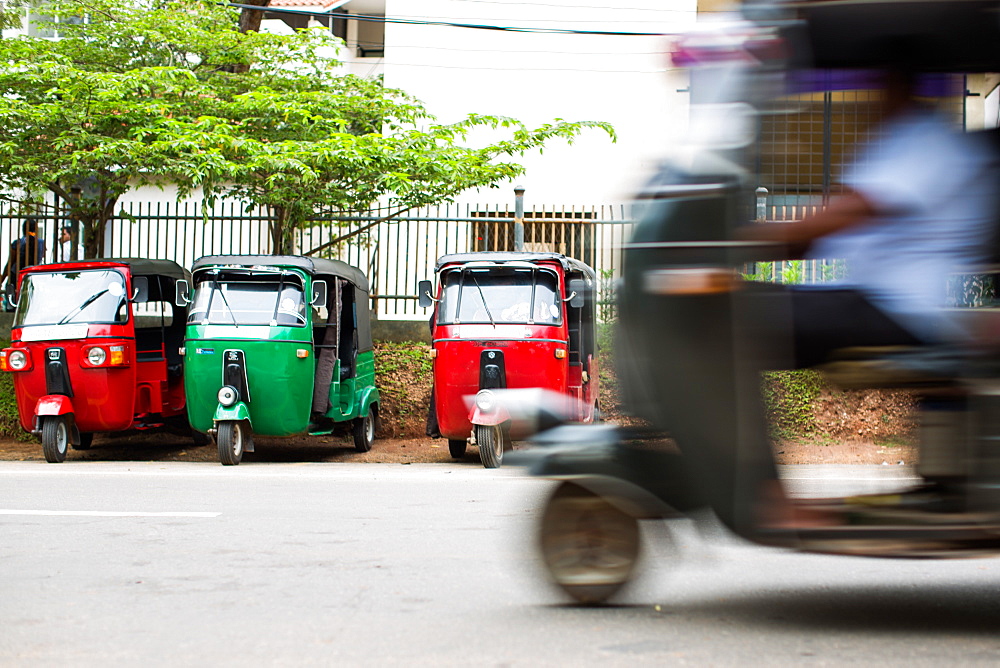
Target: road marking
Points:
(104, 513)
(299, 471)
(898, 478)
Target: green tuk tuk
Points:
(277, 345)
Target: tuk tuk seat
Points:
(149, 345)
(921, 367)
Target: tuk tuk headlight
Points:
(96, 356)
(228, 395)
(486, 400)
(17, 360)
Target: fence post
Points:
(519, 218)
(761, 192)
(76, 192)
(761, 204)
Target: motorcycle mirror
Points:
(576, 288)
(140, 289)
(424, 297)
(181, 295)
(319, 293)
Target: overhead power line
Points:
(449, 24)
(617, 9)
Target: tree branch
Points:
(357, 231)
(250, 18)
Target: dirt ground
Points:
(166, 447)
(850, 428)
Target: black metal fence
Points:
(395, 254)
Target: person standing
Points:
(63, 252)
(26, 251)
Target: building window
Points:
(570, 233)
(47, 27)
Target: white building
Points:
(428, 50)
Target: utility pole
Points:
(519, 218)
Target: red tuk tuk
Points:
(508, 320)
(95, 347)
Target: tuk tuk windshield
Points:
(59, 298)
(248, 298)
(491, 296)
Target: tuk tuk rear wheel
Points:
(86, 440)
(457, 447)
(589, 545)
(490, 441)
(230, 437)
(55, 438)
(364, 431)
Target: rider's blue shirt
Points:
(933, 188)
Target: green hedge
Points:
(788, 399)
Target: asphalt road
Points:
(169, 564)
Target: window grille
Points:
(808, 140)
(568, 232)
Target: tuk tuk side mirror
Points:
(424, 296)
(181, 296)
(576, 291)
(319, 294)
(140, 289)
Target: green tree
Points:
(174, 91)
(12, 13)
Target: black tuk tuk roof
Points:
(930, 35)
(141, 266)
(500, 257)
(312, 266)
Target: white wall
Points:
(991, 114)
(538, 77)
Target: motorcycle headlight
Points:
(228, 395)
(17, 360)
(96, 356)
(486, 400)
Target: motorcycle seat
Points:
(908, 367)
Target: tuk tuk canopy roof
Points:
(927, 35)
(145, 267)
(312, 266)
(139, 266)
(500, 257)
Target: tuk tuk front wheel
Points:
(364, 431)
(589, 545)
(490, 441)
(457, 447)
(231, 437)
(55, 438)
